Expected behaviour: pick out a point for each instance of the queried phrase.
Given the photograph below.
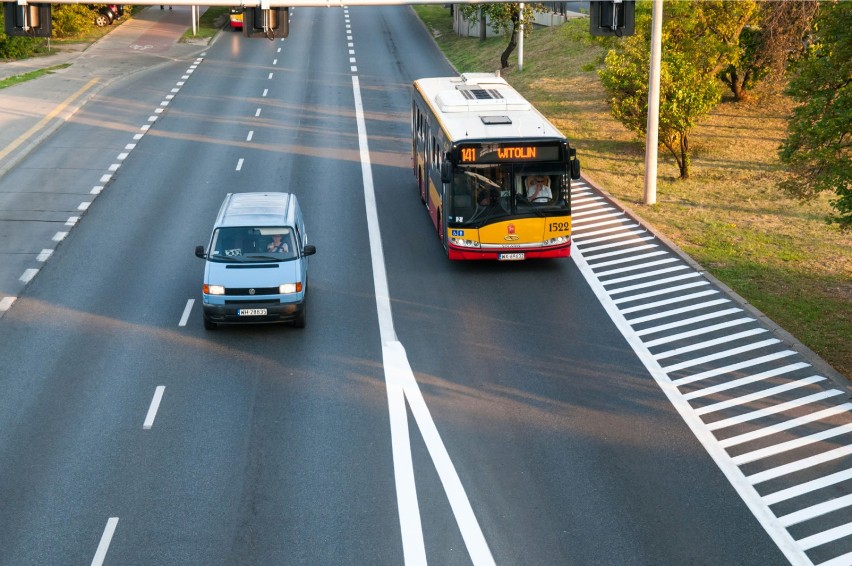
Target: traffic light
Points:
(612, 17)
(270, 23)
(28, 20)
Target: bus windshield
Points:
(480, 194)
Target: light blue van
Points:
(256, 267)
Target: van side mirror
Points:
(446, 171)
(199, 252)
(309, 250)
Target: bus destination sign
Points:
(508, 153)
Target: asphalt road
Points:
(271, 445)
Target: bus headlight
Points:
(556, 241)
(464, 243)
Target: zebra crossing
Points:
(779, 430)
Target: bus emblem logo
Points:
(511, 229)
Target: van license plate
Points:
(252, 312)
(509, 257)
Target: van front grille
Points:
(250, 291)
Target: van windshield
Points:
(252, 244)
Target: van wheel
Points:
(209, 324)
(302, 318)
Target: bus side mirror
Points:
(575, 168)
(446, 171)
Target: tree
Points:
(773, 37)
(699, 39)
(506, 19)
(818, 147)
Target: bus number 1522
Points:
(559, 226)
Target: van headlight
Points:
(214, 290)
(290, 288)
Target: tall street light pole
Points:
(652, 136)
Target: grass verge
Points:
(24, 77)
(777, 253)
(210, 23)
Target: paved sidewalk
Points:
(32, 110)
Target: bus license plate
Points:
(510, 257)
(252, 312)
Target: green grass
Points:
(777, 253)
(23, 77)
(210, 24)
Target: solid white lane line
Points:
(672, 301)
(186, 310)
(625, 234)
(734, 475)
(786, 425)
(583, 235)
(658, 292)
(673, 312)
(620, 216)
(800, 465)
(630, 268)
(400, 379)
(815, 511)
(807, 487)
(771, 392)
(686, 321)
(155, 406)
(644, 275)
(733, 367)
(710, 343)
(395, 363)
(721, 355)
(744, 381)
(697, 332)
(826, 537)
(100, 554)
(621, 260)
(605, 209)
(774, 409)
(782, 447)
(239, 163)
(632, 242)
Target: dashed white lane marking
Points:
(265, 92)
(106, 538)
(6, 303)
(72, 220)
(154, 407)
(250, 135)
(84, 206)
(44, 255)
(96, 190)
(59, 236)
(28, 275)
(256, 114)
(270, 76)
(239, 163)
(186, 310)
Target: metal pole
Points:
(652, 137)
(521, 40)
(194, 7)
